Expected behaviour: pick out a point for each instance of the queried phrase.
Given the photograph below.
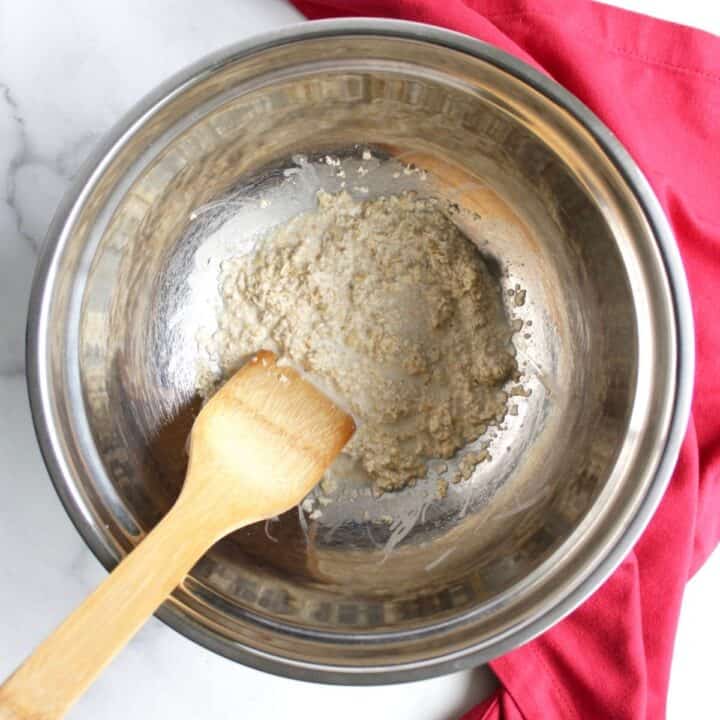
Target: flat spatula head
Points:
(264, 440)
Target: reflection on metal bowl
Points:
(561, 210)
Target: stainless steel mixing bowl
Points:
(408, 585)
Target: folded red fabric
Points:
(657, 86)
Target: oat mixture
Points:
(394, 309)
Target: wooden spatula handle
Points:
(63, 666)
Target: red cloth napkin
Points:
(657, 86)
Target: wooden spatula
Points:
(256, 449)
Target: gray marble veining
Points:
(67, 72)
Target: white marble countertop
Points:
(67, 72)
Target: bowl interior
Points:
(407, 575)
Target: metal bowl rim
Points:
(41, 297)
